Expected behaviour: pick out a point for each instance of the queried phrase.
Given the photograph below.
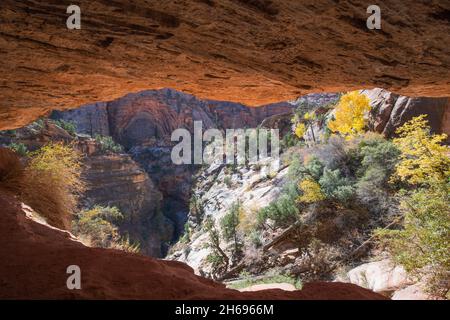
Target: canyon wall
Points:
(117, 180)
(389, 111)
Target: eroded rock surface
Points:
(255, 52)
(117, 180)
(390, 111)
(35, 257)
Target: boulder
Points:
(380, 276)
(412, 292)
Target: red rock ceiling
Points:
(255, 52)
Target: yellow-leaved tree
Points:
(423, 156)
(311, 191)
(422, 244)
(350, 116)
(300, 130)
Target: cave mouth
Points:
(127, 161)
(127, 145)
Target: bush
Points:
(99, 226)
(277, 278)
(50, 183)
(69, 126)
(289, 140)
(255, 238)
(311, 191)
(283, 211)
(378, 152)
(422, 246)
(107, 144)
(229, 226)
(217, 258)
(19, 148)
(335, 186)
(230, 222)
(227, 181)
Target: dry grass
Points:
(50, 182)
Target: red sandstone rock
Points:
(253, 52)
(35, 257)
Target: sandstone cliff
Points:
(117, 180)
(390, 111)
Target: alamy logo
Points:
(239, 146)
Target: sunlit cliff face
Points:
(253, 52)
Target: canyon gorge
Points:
(156, 196)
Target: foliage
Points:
(300, 130)
(69, 126)
(311, 191)
(19, 148)
(99, 226)
(289, 140)
(278, 278)
(196, 209)
(227, 181)
(422, 246)
(229, 226)
(187, 234)
(50, 183)
(423, 157)
(283, 211)
(230, 221)
(350, 114)
(107, 144)
(217, 258)
(335, 186)
(255, 238)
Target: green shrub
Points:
(227, 181)
(229, 226)
(69, 126)
(378, 152)
(283, 211)
(278, 278)
(255, 238)
(288, 141)
(422, 245)
(99, 227)
(187, 234)
(218, 259)
(107, 144)
(196, 209)
(19, 148)
(335, 186)
(230, 222)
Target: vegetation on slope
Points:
(349, 192)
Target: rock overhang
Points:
(254, 52)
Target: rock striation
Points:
(390, 111)
(255, 52)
